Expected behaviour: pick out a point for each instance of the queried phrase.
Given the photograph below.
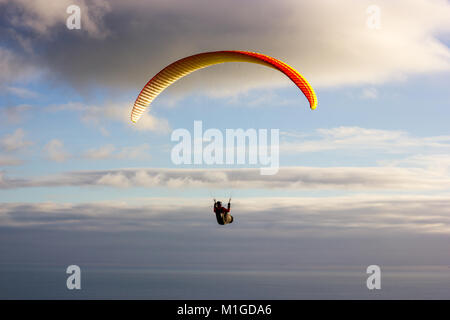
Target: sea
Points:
(37, 281)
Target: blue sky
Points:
(372, 160)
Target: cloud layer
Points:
(288, 178)
(357, 138)
(328, 41)
(356, 215)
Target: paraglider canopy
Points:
(184, 66)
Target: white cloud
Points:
(148, 122)
(20, 92)
(103, 152)
(111, 152)
(284, 217)
(439, 163)
(135, 152)
(117, 180)
(41, 16)
(327, 41)
(55, 151)
(369, 93)
(6, 160)
(121, 112)
(14, 141)
(288, 178)
(356, 138)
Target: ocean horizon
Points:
(37, 281)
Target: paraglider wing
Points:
(184, 66)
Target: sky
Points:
(364, 179)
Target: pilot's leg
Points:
(227, 218)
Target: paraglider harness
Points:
(223, 215)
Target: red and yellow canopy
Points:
(184, 66)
